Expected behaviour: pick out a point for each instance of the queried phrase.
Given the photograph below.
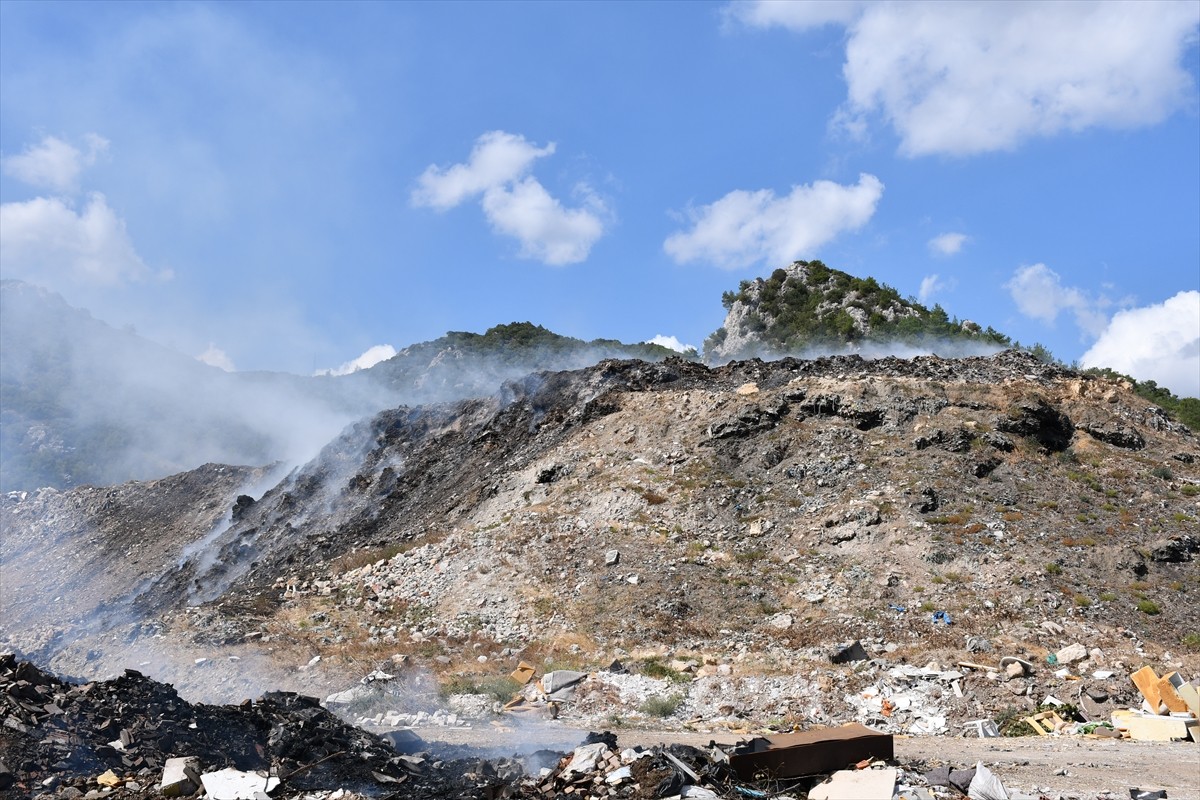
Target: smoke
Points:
(944, 348)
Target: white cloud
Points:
(930, 286)
(793, 14)
(515, 203)
(1039, 293)
(47, 241)
(547, 231)
(948, 244)
(671, 343)
(53, 163)
(744, 228)
(964, 78)
(498, 158)
(216, 357)
(1159, 342)
(372, 356)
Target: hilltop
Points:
(807, 306)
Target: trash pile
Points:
(907, 700)
(1170, 708)
(57, 736)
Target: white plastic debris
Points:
(986, 785)
(233, 784)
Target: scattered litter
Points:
(984, 728)
(1047, 723)
(941, 617)
(524, 673)
(849, 652)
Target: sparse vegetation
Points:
(660, 707)
(654, 668)
(500, 688)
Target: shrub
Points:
(658, 706)
(1083, 601)
(1163, 472)
(1190, 490)
(1107, 597)
(1148, 607)
(1054, 568)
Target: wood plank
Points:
(1170, 696)
(1154, 728)
(1146, 680)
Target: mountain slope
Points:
(753, 509)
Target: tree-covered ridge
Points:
(525, 337)
(809, 304)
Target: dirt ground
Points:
(1053, 766)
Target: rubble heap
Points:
(57, 737)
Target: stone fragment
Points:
(612, 558)
(181, 777)
(1071, 653)
(781, 621)
(109, 778)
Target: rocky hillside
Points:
(807, 306)
(745, 518)
(84, 403)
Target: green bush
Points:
(659, 706)
(1148, 607)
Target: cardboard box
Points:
(793, 755)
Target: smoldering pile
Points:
(135, 737)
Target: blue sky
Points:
(284, 186)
